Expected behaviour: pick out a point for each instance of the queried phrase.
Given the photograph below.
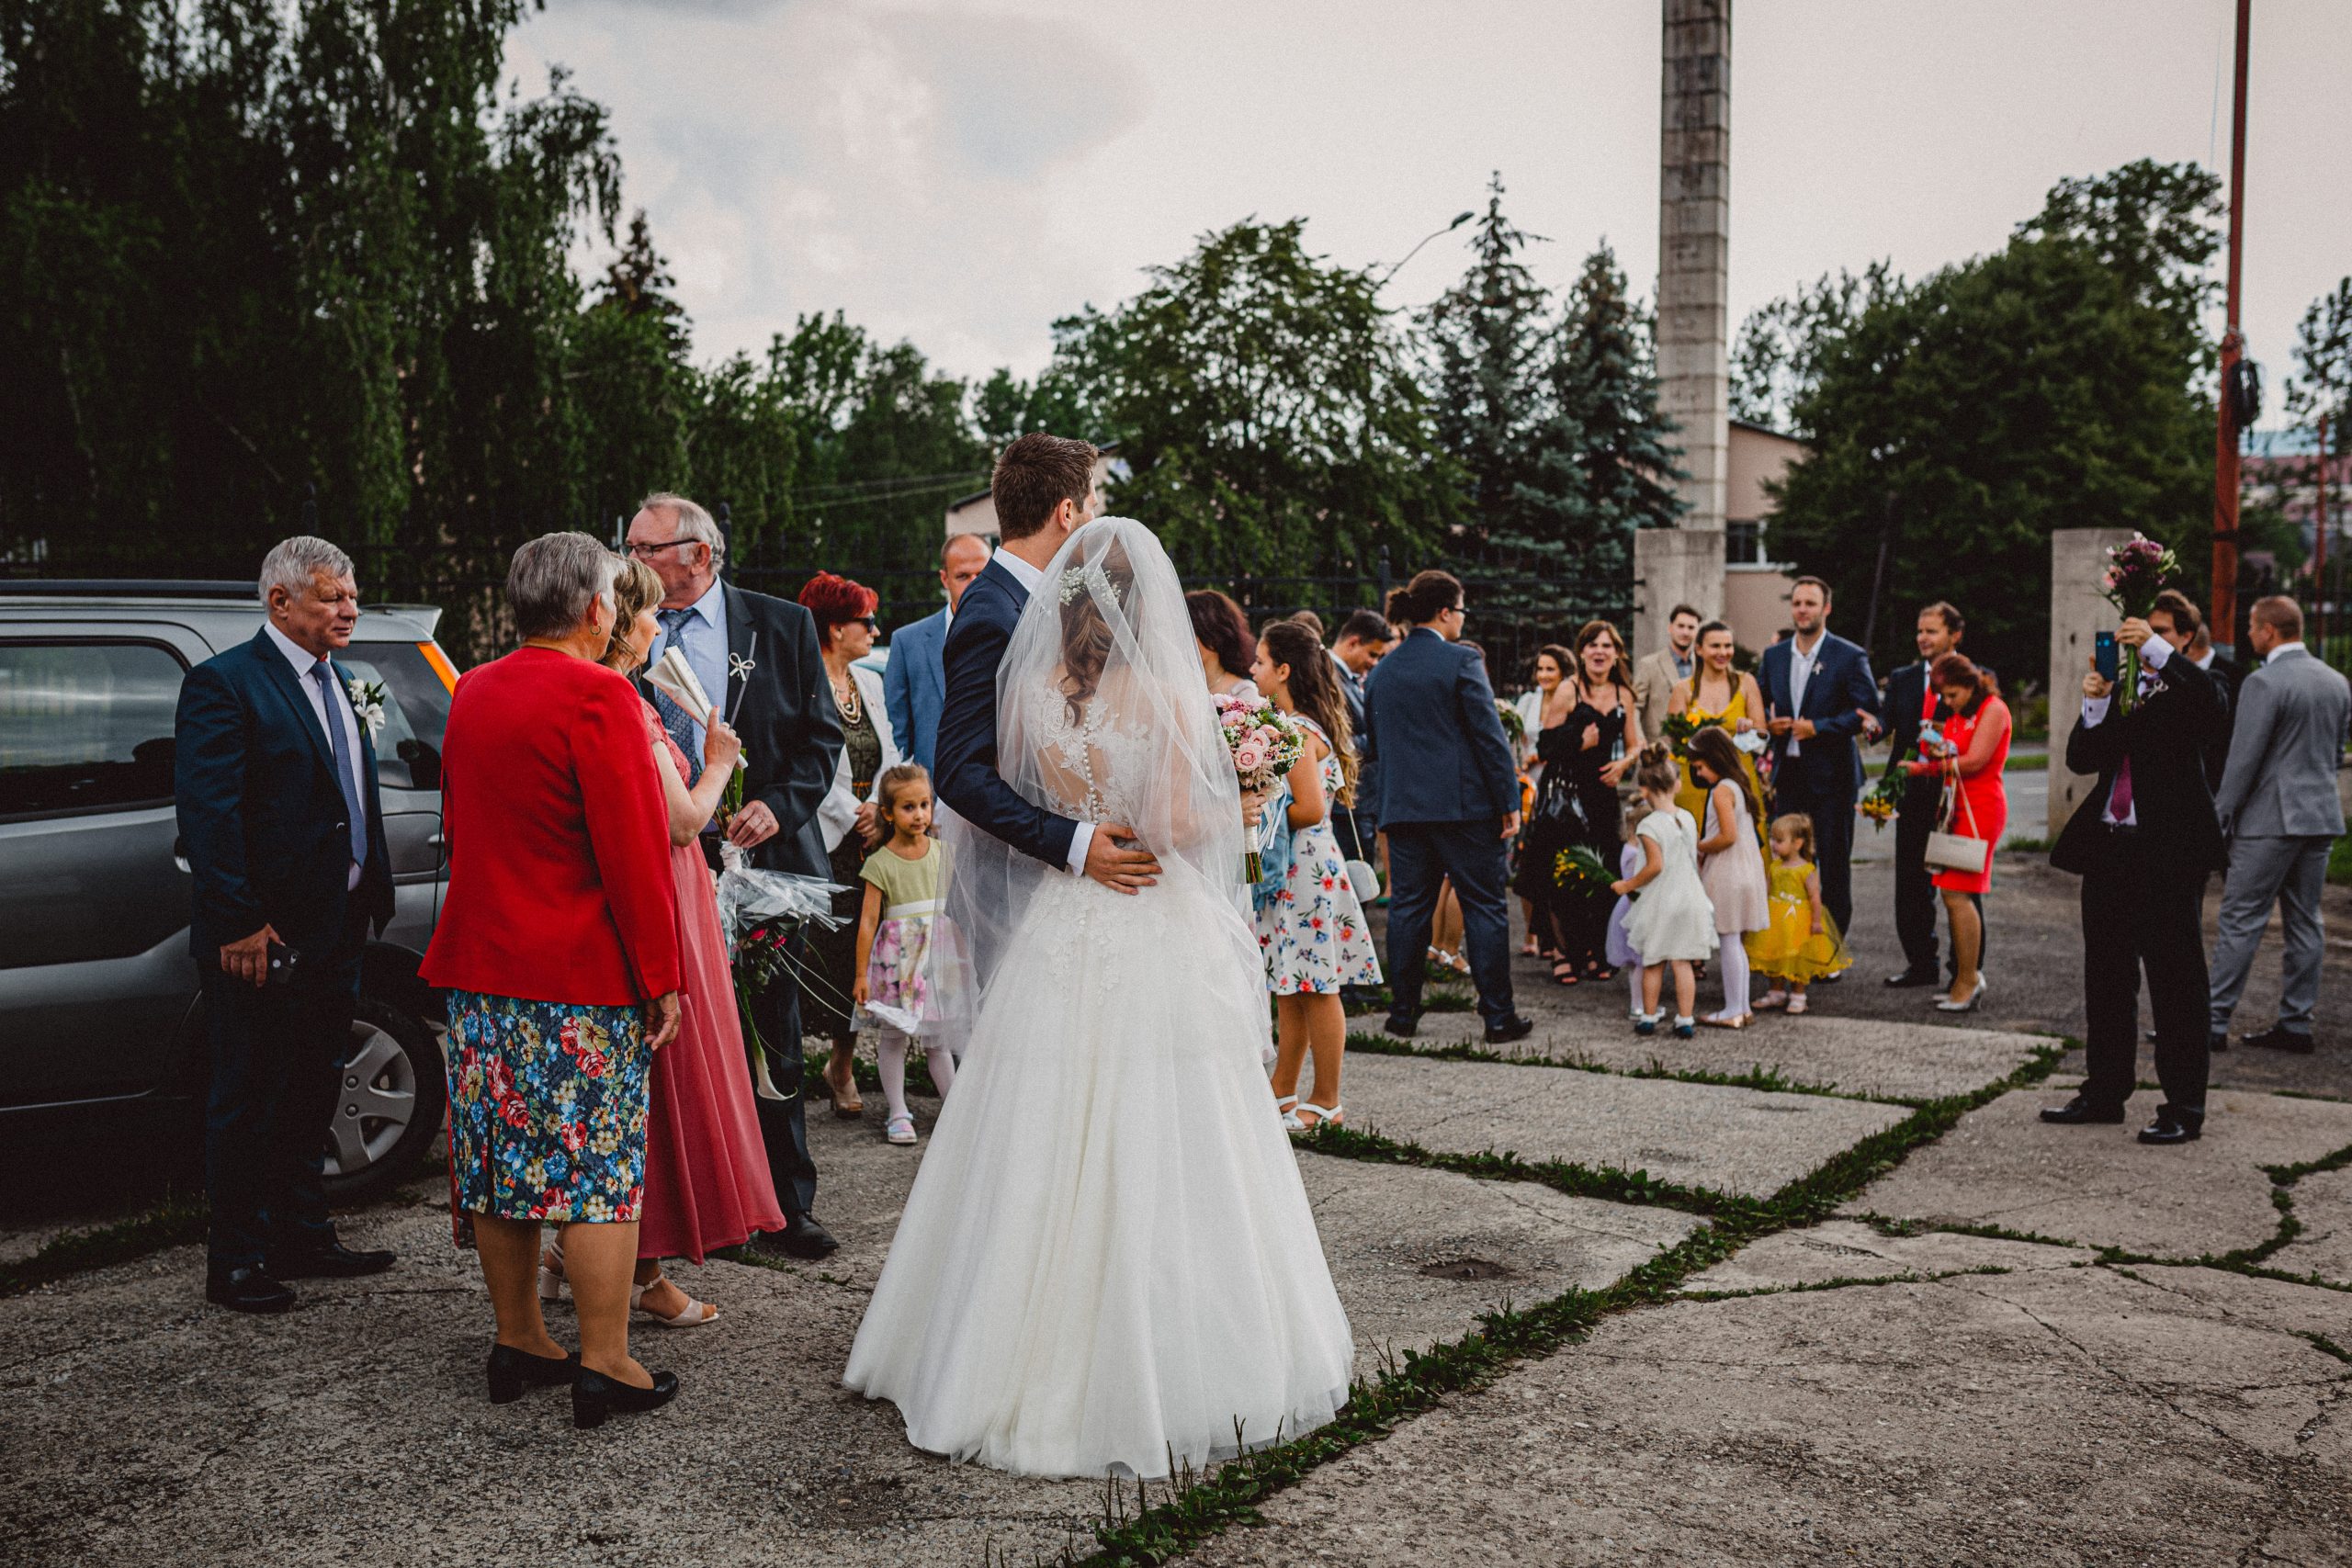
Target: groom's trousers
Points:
(1421, 856)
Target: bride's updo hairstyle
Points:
(1086, 630)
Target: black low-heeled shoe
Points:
(595, 1396)
(511, 1371)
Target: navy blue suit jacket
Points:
(1433, 745)
(914, 686)
(966, 777)
(261, 818)
(1827, 765)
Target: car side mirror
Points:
(424, 764)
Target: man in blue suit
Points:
(276, 783)
(1444, 789)
(1817, 686)
(1043, 490)
(915, 682)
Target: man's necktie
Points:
(2119, 795)
(675, 719)
(323, 673)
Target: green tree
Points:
(1603, 382)
(1777, 358)
(1266, 404)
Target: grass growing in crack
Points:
(1193, 1513)
(177, 1220)
(1885, 1226)
(2254, 1260)
(2322, 1343)
(1771, 1080)
(1842, 1282)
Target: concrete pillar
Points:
(2078, 610)
(1674, 566)
(1694, 250)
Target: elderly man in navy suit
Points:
(1445, 790)
(274, 780)
(1817, 686)
(914, 684)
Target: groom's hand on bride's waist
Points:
(1118, 862)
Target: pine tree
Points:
(1604, 382)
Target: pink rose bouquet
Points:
(2137, 570)
(1264, 744)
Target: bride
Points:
(1107, 1262)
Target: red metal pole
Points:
(2225, 442)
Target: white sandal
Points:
(900, 1130)
(551, 1271)
(694, 1316)
(1797, 1004)
(1286, 1107)
(1336, 1116)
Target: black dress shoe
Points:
(1515, 1027)
(332, 1260)
(595, 1396)
(1910, 980)
(801, 1237)
(2079, 1112)
(2174, 1124)
(2278, 1037)
(513, 1371)
(1402, 1027)
(247, 1288)
(2217, 1041)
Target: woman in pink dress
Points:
(706, 1182)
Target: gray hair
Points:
(693, 523)
(291, 563)
(552, 579)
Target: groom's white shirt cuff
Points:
(1031, 578)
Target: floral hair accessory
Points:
(1077, 580)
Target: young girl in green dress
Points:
(895, 933)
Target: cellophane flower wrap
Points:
(760, 910)
(1264, 745)
(2137, 570)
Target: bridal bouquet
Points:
(1264, 743)
(2137, 570)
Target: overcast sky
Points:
(961, 172)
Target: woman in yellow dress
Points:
(1718, 691)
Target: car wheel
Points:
(390, 1100)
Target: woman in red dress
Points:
(1971, 756)
(706, 1182)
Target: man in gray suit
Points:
(2278, 804)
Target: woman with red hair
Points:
(844, 613)
(1968, 749)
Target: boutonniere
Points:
(367, 705)
(739, 668)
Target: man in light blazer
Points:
(2278, 805)
(914, 682)
(1654, 676)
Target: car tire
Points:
(390, 1100)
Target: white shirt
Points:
(2272, 657)
(1030, 579)
(1801, 665)
(304, 661)
(2153, 655)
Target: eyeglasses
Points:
(869, 623)
(641, 549)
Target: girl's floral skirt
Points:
(547, 1110)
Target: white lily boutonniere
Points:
(367, 703)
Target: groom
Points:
(1043, 490)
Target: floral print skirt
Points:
(1312, 931)
(547, 1110)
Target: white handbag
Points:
(1948, 850)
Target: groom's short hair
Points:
(1035, 474)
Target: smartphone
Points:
(2103, 656)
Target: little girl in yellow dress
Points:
(1799, 943)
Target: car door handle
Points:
(186, 869)
(437, 841)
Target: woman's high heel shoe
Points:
(595, 1396)
(551, 1271)
(511, 1371)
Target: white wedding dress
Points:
(1108, 1260)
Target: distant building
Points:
(975, 513)
(1755, 586)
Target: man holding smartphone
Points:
(275, 779)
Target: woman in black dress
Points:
(1588, 752)
(1548, 827)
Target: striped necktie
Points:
(675, 719)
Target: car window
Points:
(408, 748)
(85, 725)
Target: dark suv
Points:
(99, 997)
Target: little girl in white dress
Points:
(1672, 922)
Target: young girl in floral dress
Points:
(1312, 931)
(895, 933)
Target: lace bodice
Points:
(1096, 766)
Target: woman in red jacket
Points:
(558, 944)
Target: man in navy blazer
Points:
(915, 682)
(1043, 490)
(1444, 789)
(275, 778)
(1817, 686)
